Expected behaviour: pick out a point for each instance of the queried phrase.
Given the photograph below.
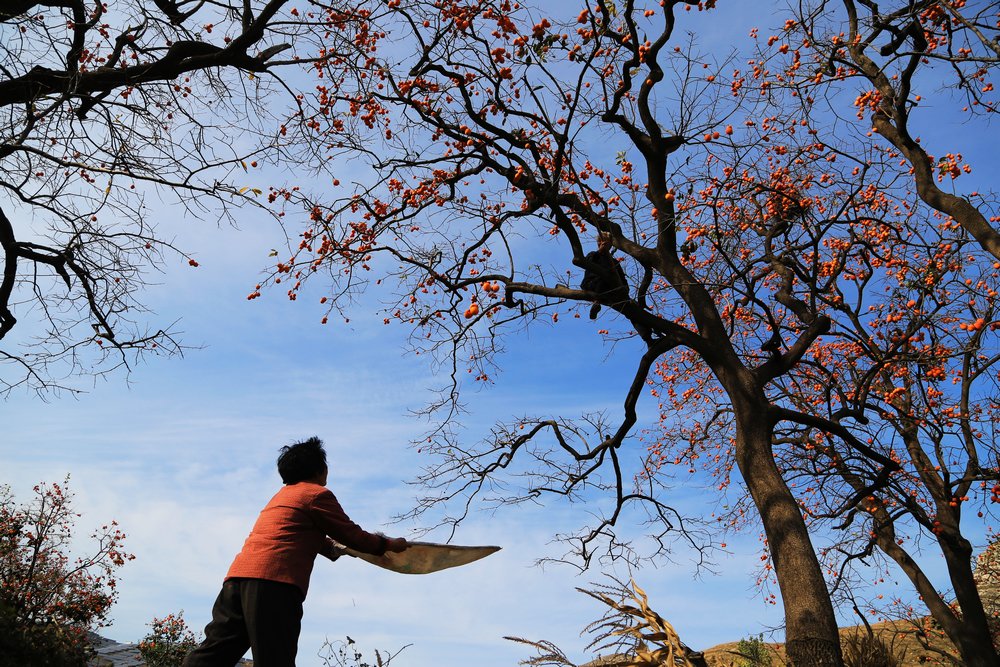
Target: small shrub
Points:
(39, 644)
(754, 652)
(168, 643)
(50, 599)
(868, 650)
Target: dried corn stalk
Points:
(549, 655)
(626, 631)
(643, 627)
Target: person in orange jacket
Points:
(260, 605)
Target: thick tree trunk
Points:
(973, 639)
(969, 633)
(811, 634)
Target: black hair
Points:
(301, 461)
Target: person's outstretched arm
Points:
(332, 520)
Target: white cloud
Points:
(186, 484)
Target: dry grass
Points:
(901, 636)
(655, 640)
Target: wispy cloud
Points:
(186, 471)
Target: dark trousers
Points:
(264, 616)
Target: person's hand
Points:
(603, 242)
(332, 550)
(396, 544)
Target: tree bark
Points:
(9, 245)
(811, 634)
(973, 640)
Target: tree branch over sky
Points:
(889, 47)
(105, 105)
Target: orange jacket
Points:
(292, 529)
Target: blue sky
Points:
(181, 453)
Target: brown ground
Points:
(900, 635)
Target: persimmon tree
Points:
(107, 107)
(822, 317)
(886, 425)
(50, 599)
(906, 376)
(909, 368)
(168, 642)
(490, 161)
